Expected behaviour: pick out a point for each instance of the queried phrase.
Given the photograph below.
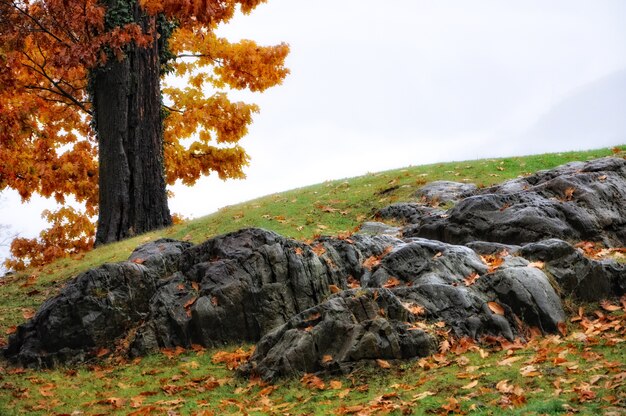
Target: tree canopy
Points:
(49, 52)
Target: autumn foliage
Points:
(48, 49)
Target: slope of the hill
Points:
(330, 208)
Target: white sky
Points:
(380, 85)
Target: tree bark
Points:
(128, 121)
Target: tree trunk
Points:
(127, 103)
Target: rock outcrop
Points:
(328, 305)
(577, 201)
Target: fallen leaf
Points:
(471, 279)
(530, 371)
(509, 361)
(28, 313)
(609, 307)
(392, 282)
(470, 385)
(422, 395)
(383, 363)
(334, 289)
(537, 264)
(327, 358)
(335, 384)
(496, 308)
(313, 381)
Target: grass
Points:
(191, 383)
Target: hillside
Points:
(536, 377)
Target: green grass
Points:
(191, 383)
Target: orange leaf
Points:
(335, 384)
(496, 308)
(392, 282)
(383, 363)
(609, 307)
(471, 279)
(312, 381)
(28, 313)
(334, 289)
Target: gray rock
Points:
(92, 311)
(529, 295)
(378, 228)
(441, 192)
(577, 275)
(351, 326)
(581, 201)
(486, 247)
(408, 212)
(354, 299)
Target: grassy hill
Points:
(584, 372)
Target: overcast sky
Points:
(381, 85)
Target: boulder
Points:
(93, 310)
(442, 192)
(350, 327)
(574, 202)
(331, 304)
(578, 276)
(408, 212)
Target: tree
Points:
(84, 110)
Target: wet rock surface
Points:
(577, 201)
(441, 192)
(328, 305)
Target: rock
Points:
(408, 212)
(577, 275)
(529, 295)
(98, 307)
(420, 260)
(331, 304)
(92, 311)
(234, 288)
(349, 327)
(379, 228)
(490, 248)
(580, 201)
(442, 192)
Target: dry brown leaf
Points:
(422, 395)
(313, 381)
(327, 358)
(383, 363)
(471, 279)
(470, 385)
(28, 313)
(509, 361)
(334, 289)
(392, 282)
(609, 307)
(537, 264)
(335, 384)
(496, 308)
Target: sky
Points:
(382, 85)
